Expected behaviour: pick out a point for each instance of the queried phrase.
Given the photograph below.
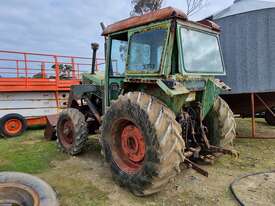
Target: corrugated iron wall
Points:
(248, 42)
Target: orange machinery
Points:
(34, 85)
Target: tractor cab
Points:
(161, 49)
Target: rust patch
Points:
(210, 24)
(158, 15)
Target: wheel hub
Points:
(67, 133)
(132, 143)
(14, 194)
(13, 126)
(128, 146)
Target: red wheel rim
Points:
(67, 133)
(13, 126)
(128, 146)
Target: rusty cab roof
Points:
(159, 15)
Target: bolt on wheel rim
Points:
(132, 143)
(67, 133)
(128, 146)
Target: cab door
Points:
(116, 66)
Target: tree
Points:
(64, 71)
(141, 7)
(193, 6)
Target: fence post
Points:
(73, 67)
(253, 115)
(17, 69)
(43, 70)
(57, 80)
(26, 70)
(78, 72)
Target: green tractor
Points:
(157, 105)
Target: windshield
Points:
(201, 52)
(146, 50)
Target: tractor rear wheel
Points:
(142, 142)
(269, 118)
(72, 133)
(221, 124)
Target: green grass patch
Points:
(28, 153)
(77, 191)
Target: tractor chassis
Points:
(198, 148)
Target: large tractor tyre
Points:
(72, 133)
(269, 118)
(12, 125)
(142, 142)
(24, 189)
(221, 124)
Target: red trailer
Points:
(34, 85)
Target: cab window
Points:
(145, 51)
(119, 45)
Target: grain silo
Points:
(248, 43)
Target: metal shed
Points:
(248, 43)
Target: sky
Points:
(68, 27)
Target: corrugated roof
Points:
(243, 6)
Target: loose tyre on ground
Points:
(269, 118)
(72, 133)
(24, 189)
(12, 125)
(142, 142)
(221, 124)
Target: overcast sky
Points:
(68, 26)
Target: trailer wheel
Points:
(72, 133)
(269, 118)
(12, 125)
(221, 124)
(24, 189)
(142, 142)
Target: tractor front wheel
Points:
(221, 124)
(72, 133)
(142, 142)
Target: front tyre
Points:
(142, 142)
(221, 124)
(72, 133)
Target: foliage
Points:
(141, 7)
(39, 75)
(64, 71)
(193, 6)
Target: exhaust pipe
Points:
(94, 47)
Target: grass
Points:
(28, 153)
(85, 180)
(73, 190)
(262, 128)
